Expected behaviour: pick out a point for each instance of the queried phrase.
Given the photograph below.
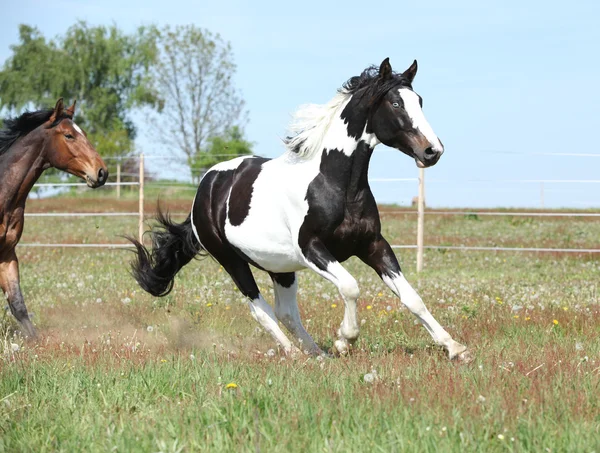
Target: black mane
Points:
(17, 127)
(374, 87)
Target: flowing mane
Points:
(311, 122)
(20, 126)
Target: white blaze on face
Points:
(77, 128)
(413, 108)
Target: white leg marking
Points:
(348, 288)
(286, 310)
(409, 297)
(263, 313)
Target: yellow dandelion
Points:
(227, 307)
(380, 294)
(231, 385)
(163, 361)
(369, 307)
(516, 316)
(555, 322)
(333, 305)
(566, 308)
(527, 318)
(209, 304)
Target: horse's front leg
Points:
(9, 282)
(380, 256)
(319, 259)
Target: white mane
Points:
(310, 124)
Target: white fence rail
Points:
(421, 212)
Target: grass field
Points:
(119, 370)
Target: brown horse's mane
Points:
(17, 127)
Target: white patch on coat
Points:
(228, 164)
(415, 112)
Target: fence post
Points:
(420, 219)
(141, 208)
(119, 178)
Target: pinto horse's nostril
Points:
(102, 175)
(429, 153)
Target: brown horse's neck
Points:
(20, 167)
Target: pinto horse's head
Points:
(70, 150)
(397, 118)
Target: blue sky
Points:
(501, 82)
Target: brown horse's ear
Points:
(58, 110)
(411, 72)
(385, 70)
(71, 110)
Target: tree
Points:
(194, 77)
(222, 147)
(106, 70)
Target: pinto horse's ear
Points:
(385, 70)
(58, 110)
(411, 72)
(71, 110)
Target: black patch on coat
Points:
(342, 212)
(242, 187)
(286, 279)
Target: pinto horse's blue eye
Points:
(395, 105)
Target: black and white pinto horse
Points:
(311, 208)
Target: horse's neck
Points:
(20, 168)
(348, 169)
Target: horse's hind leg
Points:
(286, 310)
(9, 281)
(259, 308)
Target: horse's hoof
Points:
(464, 357)
(341, 347)
(459, 352)
(294, 352)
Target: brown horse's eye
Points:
(69, 136)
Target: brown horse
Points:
(29, 144)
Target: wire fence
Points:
(421, 212)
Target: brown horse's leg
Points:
(9, 281)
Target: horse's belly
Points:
(271, 250)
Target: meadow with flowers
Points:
(118, 370)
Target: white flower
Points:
(126, 300)
(578, 347)
(481, 399)
(98, 301)
(150, 328)
(15, 347)
(369, 378)
(501, 436)
(271, 352)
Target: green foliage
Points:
(106, 70)
(220, 148)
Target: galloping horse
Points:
(29, 145)
(311, 208)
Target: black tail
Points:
(173, 246)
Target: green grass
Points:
(120, 370)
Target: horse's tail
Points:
(173, 246)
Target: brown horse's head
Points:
(70, 150)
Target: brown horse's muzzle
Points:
(97, 179)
